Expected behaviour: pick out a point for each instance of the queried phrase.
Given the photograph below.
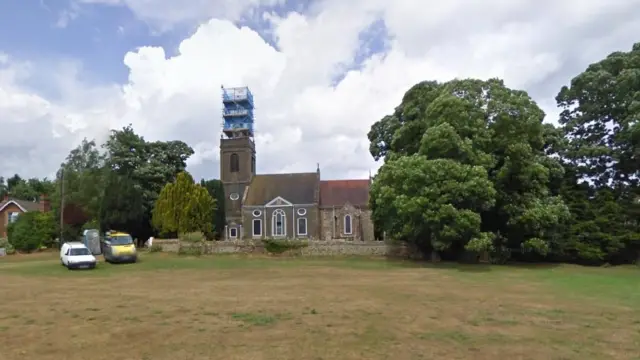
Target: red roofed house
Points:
(10, 209)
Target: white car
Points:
(75, 255)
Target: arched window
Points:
(348, 225)
(235, 163)
(279, 223)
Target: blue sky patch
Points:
(98, 36)
(372, 41)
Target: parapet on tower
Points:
(237, 112)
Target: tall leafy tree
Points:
(145, 167)
(122, 207)
(13, 181)
(600, 118)
(42, 186)
(26, 189)
(169, 210)
(83, 174)
(82, 179)
(433, 203)
(491, 140)
(199, 211)
(183, 207)
(22, 190)
(600, 112)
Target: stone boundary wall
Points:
(314, 248)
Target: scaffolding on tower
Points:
(237, 112)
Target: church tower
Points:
(237, 153)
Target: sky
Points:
(322, 72)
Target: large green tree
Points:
(14, 181)
(25, 189)
(184, 207)
(600, 116)
(600, 120)
(138, 167)
(434, 200)
(82, 179)
(122, 207)
(479, 175)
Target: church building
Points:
(283, 206)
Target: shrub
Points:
(280, 246)
(483, 242)
(31, 231)
(192, 237)
(8, 248)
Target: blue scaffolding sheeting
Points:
(237, 112)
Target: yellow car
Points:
(119, 247)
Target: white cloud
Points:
(37, 132)
(303, 117)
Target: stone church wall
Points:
(333, 223)
(334, 247)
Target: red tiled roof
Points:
(339, 192)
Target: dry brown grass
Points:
(302, 310)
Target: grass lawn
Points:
(226, 307)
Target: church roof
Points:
(340, 192)
(299, 188)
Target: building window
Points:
(235, 163)
(279, 223)
(257, 227)
(253, 165)
(348, 225)
(234, 196)
(233, 233)
(302, 226)
(13, 217)
(302, 212)
(257, 213)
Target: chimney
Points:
(6, 197)
(45, 204)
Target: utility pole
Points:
(61, 204)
